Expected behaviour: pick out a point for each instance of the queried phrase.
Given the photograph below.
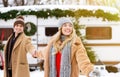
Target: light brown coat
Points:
(79, 59)
(20, 67)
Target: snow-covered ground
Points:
(39, 73)
(36, 73)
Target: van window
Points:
(50, 31)
(95, 33)
(5, 33)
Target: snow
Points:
(118, 66)
(38, 73)
(38, 7)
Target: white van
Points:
(47, 27)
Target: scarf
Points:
(65, 66)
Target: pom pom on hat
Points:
(19, 20)
(64, 20)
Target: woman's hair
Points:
(58, 38)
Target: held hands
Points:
(34, 54)
(38, 54)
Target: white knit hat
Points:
(64, 20)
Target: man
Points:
(15, 51)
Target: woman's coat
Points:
(20, 67)
(79, 59)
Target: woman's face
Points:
(67, 28)
(18, 28)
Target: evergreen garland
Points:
(45, 13)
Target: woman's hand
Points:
(34, 54)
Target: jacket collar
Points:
(76, 42)
(19, 39)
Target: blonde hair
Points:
(56, 42)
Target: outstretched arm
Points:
(30, 47)
(84, 63)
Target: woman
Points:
(65, 55)
(15, 51)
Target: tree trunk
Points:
(37, 2)
(19, 2)
(23, 2)
(5, 3)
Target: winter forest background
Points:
(6, 3)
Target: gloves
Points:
(94, 73)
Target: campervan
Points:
(102, 36)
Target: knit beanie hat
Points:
(64, 20)
(19, 20)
